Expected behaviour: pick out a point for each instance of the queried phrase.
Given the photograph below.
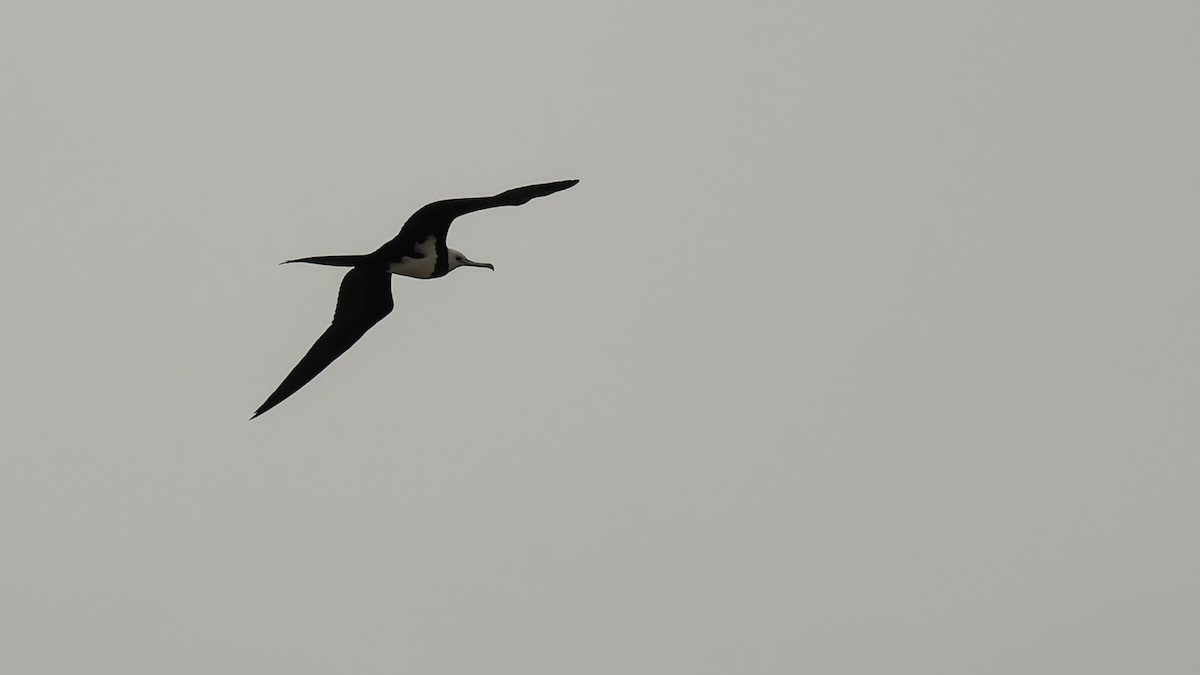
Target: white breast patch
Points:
(421, 268)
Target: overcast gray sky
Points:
(867, 343)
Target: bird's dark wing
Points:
(364, 298)
(434, 219)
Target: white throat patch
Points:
(420, 268)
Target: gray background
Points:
(866, 345)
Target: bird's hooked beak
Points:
(472, 263)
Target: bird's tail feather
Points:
(335, 260)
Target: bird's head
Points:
(457, 259)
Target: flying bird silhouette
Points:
(365, 296)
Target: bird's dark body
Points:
(365, 296)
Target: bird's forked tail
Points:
(335, 260)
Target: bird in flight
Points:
(365, 296)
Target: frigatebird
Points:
(365, 296)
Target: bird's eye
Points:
(459, 258)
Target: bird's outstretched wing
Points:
(434, 219)
(365, 297)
